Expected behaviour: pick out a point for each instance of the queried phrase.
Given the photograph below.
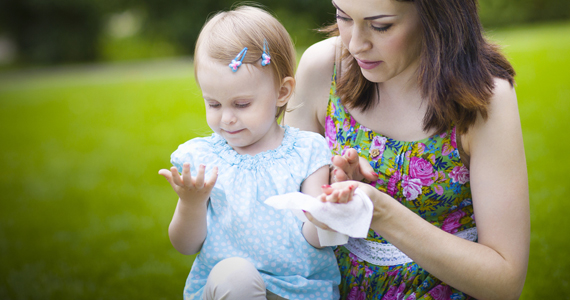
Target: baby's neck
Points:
(270, 141)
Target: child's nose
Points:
(228, 117)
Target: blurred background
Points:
(96, 94)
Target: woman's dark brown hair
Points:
(456, 72)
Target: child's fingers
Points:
(333, 197)
(176, 176)
(167, 174)
(210, 183)
(186, 175)
(345, 194)
(199, 183)
(327, 189)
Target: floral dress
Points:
(426, 176)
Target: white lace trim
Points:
(387, 254)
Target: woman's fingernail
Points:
(325, 186)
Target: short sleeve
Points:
(318, 154)
(184, 154)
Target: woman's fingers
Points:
(366, 170)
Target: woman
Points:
(423, 108)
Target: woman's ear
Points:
(285, 90)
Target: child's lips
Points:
(233, 132)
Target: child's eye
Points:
(382, 28)
(242, 105)
(214, 105)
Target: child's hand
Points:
(340, 192)
(190, 188)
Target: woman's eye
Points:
(344, 19)
(381, 28)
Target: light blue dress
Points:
(240, 224)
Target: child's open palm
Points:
(190, 188)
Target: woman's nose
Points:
(359, 41)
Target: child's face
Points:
(241, 106)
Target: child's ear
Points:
(285, 90)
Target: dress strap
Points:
(338, 57)
(387, 254)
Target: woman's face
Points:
(384, 36)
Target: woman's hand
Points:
(190, 188)
(350, 166)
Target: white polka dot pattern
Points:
(240, 224)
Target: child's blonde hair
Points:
(226, 33)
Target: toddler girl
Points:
(244, 65)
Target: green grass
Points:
(84, 215)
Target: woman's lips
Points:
(366, 64)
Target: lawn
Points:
(84, 214)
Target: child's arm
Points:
(313, 186)
(187, 230)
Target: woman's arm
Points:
(313, 77)
(494, 267)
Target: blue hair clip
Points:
(236, 62)
(265, 58)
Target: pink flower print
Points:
(411, 297)
(440, 176)
(390, 294)
(459, 174)
(345, 125)
(400, 293)
(379, 144)
(452, 222)
(330, 133)
(421, 148)
(393, 183)
(412, 187)
(446, 149)
(395, 292)
(453, 138)
(422, 170)
(367, 272)
(438, 189)
(441, 292)
(356, 294)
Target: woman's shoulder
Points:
(320, 56)
(503, 115)
(313, 77)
